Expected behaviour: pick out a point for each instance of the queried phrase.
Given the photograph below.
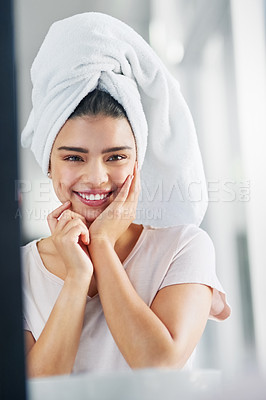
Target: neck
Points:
(123, 246)
(127, 241)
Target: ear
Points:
(49, 170)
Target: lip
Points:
(93, 203)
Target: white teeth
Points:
(92, 196)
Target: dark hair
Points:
(99, 102)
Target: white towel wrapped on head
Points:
(94, 50)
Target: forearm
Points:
(140, 335)
(55, 351)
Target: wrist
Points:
(78, 279)
(98, 242)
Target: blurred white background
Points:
(216, 49)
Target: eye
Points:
(116, 157)
(73, 158)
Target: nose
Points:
(95, 174)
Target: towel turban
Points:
(94, 50)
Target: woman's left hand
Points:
(117, 217)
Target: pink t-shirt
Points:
(161, 257)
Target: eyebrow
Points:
(119, 148)
(78, 149)
(83, 150)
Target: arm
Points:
(55, 351)
(161, 336)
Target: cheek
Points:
(119, 175)
(62, 180)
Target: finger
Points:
(123, 192)
(134, 190)
(55, 214)
(72, 232)
(67, 219)
(76, 233)
(69, 214)
(85, 238)
(73, 222)
(132, 199)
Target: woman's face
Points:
(90, 160)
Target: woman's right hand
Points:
(70, 236)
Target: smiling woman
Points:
(88, 164)
(102, 292)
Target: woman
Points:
(104, 293)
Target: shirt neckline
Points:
(60, 281)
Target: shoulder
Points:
(183, 236)
(29, 257)
(28, 249)
(35, 246)
(185, 243)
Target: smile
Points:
(93, 199)
(93, 196)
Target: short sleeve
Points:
(25, 324)
(194, 262)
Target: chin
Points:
(91, 215)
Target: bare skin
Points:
(86, 249)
